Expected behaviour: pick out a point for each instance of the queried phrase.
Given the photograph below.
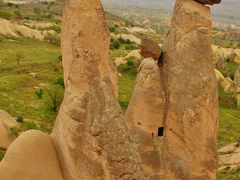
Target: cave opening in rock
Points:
(160, 131)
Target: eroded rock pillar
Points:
(89, 133)
(192, 117)
(145, 116)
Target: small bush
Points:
(60, 81)
(130, 62)
(54, 99)
(227, 100)
(122, 40)
(53, 39)
(131, 47)
(115, 44)
(10, 4)
(20, 119)
(60, 58)
(5, 14)
(39, 93)
(129, 68)
(112, 29)
(19, 56)
(55, 28)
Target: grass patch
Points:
(18, 83)
(234, 175)
(227, 100)
(229, 69)
(229, 130)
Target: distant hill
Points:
(228, 11)
(151, 4)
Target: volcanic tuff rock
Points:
(237, 77)
(31, 156)
(145, 114)
(90, 134)
(150, 49)
(229, 157)
(191, 123)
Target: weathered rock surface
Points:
(229, 157)
(191, 124)
(237, 77)
(222, 55)
(134, 54)
(8, 28)
(31, 156)
(90, 134)
(145, 114)
(211, 2)
(150, 49)
(6, 122)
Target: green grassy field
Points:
(40, 68)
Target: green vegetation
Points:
(234, 175)
(229, 69)
(225, 43)
(53, 38)
(41, 11)
(227, 100)
(112, 29)
(229, 130)
(126, 84)
(55, 28)
(122, 43)
(19, 85)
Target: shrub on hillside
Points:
(115, 44)
(39, 93)
(130, 67)
(56, 28)
(20, 119)
(5, 14)
(19, 57)
(112, 29)
(53, 39)
(60, 57)
(60, 81)
(54, 98)
(227, 100)
(131, 47)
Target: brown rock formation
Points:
(145, 114)
(6, 122)
(90, 134)
(237, 77)
(192, 116)
(150, 49)
(31, 156)
(173, 116)
(211, 2)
